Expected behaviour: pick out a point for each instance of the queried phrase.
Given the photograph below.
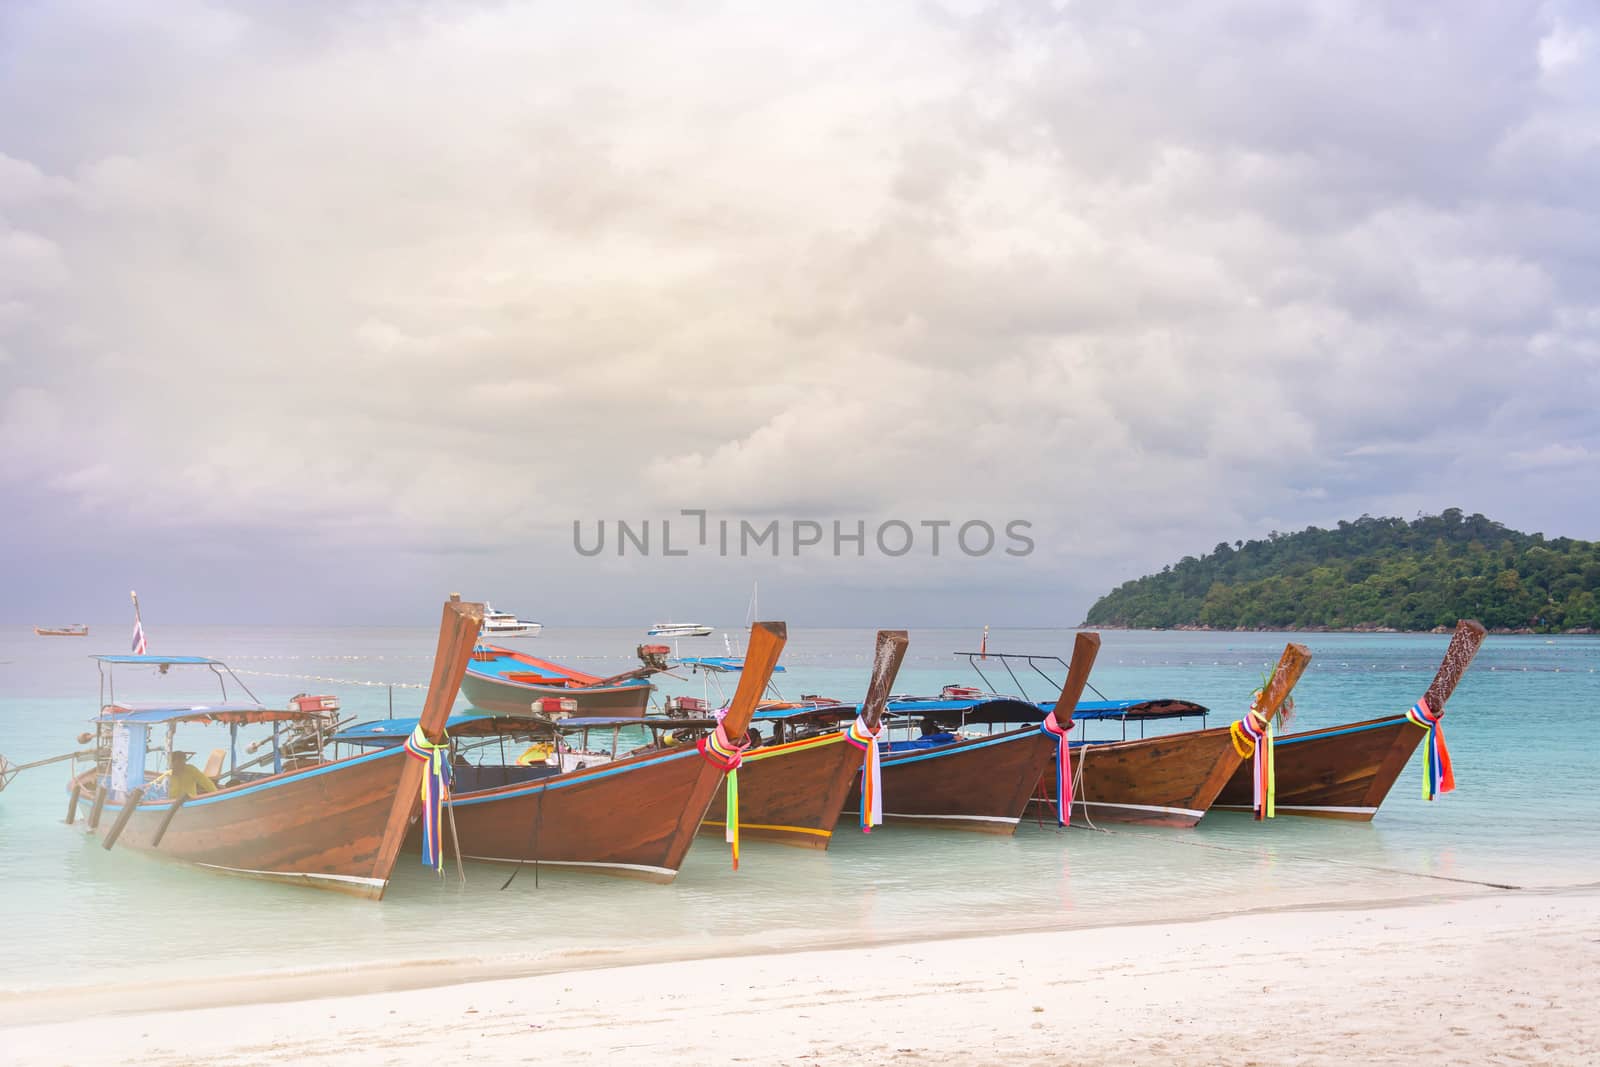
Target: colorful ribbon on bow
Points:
(1252, 736)
(871, 772)
(726, 757)
(1063, 767)
(435, 790)
(1437, 774)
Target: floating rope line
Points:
(331, 681)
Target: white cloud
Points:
(1141, 277)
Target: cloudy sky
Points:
(318, 311)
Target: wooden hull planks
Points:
(980, 785)
(791, 794)
(1343, 772)
(322, 827)
(514, 698)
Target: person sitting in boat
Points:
(934, 734)
(186, 779)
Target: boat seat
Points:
(213, 765)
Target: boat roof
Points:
(384, 731)
(991, 709)
(156, 660)
(151, 713)
(719, 663)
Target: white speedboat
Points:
(505, 624)
(679, 629)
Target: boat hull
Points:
(981, 785)
(790, 794)
(1343, 772)
(67, 631)
(514, 698)
(634, 818)
(322, 826)
(1169, 780)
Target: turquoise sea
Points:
(1520, 728)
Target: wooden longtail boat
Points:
(1171, 779)
(335, 825)
(633, 817)
(792, 792)
(508, 682)
(1345, 772)
(983, 784)
(77, 629)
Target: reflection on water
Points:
(1524, 814)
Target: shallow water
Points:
(1525, 813)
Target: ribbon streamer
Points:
(1437, 774)
(435, 790)
(726, 757)
(871, 772)
(1252, 736)
(1063, 767)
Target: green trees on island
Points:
(1372, 573)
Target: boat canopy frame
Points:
(106, 665)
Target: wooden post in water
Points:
(161, 831)
(72, 802)
(97, 807)
(129, 806)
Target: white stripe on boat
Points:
(641, 867)
(1301, 807)
(349, 879)
(1137, 807)
(955, 818)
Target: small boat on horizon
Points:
(76, 629)
(679, 629)
(506, 624)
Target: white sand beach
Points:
(1502, 977)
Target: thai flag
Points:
(138, 636)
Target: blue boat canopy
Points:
(186, 661)
(395, 731)
(151, 714)
(729, 664)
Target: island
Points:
(1372, 574)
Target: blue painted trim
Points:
(555, 782)
(223, 796)
(958, 748)
(1320, 734)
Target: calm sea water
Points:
(1526, 812)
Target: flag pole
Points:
(138, 624)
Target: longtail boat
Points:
(330, 825)
(77, 629)
(1345, 772)
(981, 784)
(792, 790)
(632, 817)
(506, 681)
(1173, 779)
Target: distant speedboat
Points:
(679, 629)
(77, 629)
(505, 624)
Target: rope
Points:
(330, 681)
